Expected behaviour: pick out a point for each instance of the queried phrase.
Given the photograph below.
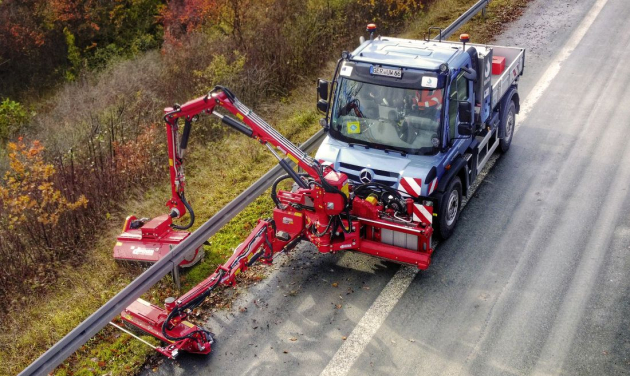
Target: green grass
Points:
(217, 171)
(109, 352)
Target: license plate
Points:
(389, 72)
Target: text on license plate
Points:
(397, 73)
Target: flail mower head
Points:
(147, 240)
(144, 240)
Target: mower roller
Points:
(324, 208)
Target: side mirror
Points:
(322, 106)
(322, 89)
(464, 112)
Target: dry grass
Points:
(39, 321)
(481, 29)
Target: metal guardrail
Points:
(99, 319)
(480, 6)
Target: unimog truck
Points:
(420, 116)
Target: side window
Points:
(462, 88)
(457, 92)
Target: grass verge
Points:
(218, 172)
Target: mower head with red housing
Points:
(148, 241)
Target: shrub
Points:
(37, 218)
(13, 116)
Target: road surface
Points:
(535, 278)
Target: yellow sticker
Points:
(188, 324)
(292, 158)
(345, 189)
(118, 244)
(297, 214)
(170, 162)
(353, 127)
(240, 116)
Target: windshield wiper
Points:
(353, 144)
(387, 151)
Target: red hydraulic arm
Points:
(258, 128)
(324, 209)
(170, 324)
(148, 240)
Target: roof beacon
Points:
(371, 28)
(464, 38)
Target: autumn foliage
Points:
(181, 18)
(29, 195)
(50, 210)
(34, 42)
(33, 211)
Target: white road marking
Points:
(372, 320)
(374, 317)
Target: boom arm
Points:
(255, 127)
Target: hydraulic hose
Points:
(191, 305)
(190, 211)
(199, 299)
(274, 187)
(274, 192)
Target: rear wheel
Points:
(509, 121)
(448, 212)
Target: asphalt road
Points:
(535, 278)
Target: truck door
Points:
(459, 90)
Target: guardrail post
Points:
(176, 279)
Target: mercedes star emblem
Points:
(366, 175)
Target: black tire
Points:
(508, 123)
(448, 211)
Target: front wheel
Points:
(448, 212)
(509, 122)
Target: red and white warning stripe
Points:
(423, 213)
(412, 186)
(432, 186)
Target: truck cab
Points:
(419, 116)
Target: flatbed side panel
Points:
(514, 64)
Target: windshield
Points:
(385, 117)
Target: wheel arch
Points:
(511, 96)
(459, 168)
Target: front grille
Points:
(388, 178)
